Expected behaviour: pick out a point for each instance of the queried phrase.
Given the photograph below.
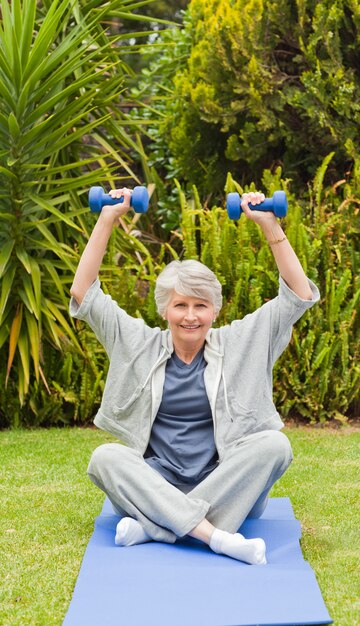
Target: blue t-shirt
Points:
(182, 446)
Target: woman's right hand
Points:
(95, 248)
(113, 212)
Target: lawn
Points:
(48, 507)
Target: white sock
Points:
(235, 545)
(129, 532)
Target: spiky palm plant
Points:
(61, 130)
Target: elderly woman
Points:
(192, 405)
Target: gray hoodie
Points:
(238, 377)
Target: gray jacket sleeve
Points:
(285, 310)
(110, 323)
(268, 329)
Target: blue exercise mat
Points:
(186, 584)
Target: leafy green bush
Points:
(61, 130)
(247, 85)
(318, 378)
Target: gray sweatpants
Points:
(236, 489)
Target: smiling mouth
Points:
(190, 327)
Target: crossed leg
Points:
(211, 512)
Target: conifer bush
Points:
(247, 85)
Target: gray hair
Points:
(188, 278)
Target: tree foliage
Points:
(257, 84)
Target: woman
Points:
(192, 404)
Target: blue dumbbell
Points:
(277, 204)
(98, 198)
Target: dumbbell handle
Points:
(266, 205)
(98, 198)
(277, 204)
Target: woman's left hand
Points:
(259, 217)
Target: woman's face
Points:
(189, 319)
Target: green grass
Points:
(48, 507)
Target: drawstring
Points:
(156, 364)
(226, 398)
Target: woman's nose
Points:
(190, 314)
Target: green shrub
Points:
(318, 378)
(247, 85)
(61, 79)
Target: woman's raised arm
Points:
(286, 260)
(91, 258)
